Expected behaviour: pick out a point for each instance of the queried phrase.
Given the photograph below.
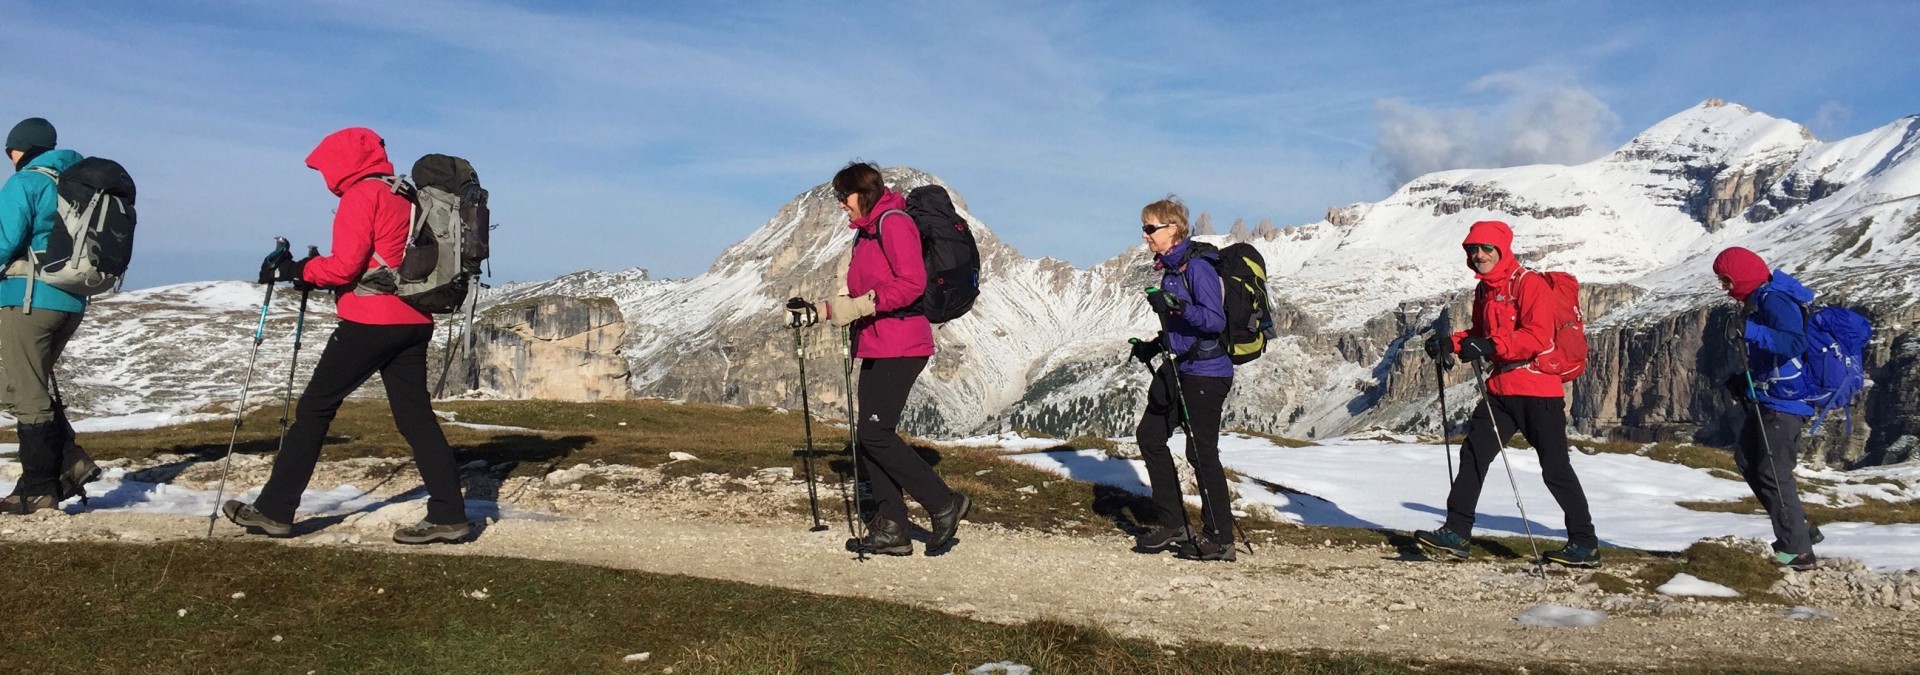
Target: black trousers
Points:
(1770, 474)
(1543, 421)
(354, 353)
(886, 461)
(1205, 396)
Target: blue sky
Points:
(653, 134)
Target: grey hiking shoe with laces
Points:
(424, 532)
(244, 515)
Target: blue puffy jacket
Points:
(1197, 284)
(1776, 336)
(29, 210)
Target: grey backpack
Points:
(446, 238)
(88, 251)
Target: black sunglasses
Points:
(839, 196)
(1150, 228)
(1489, 248)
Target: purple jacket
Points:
(897, 277)
(1204, 318)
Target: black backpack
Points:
(447, 241)
(948, 250)
(1243, 286)
(89, 249)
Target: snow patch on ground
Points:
(115, 492)
(1687, 584)
(1560, 616)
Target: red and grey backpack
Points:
(1566, 356)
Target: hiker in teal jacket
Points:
(31, 339)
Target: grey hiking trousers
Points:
(29, 346)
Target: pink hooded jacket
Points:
(897, 277)
(370, 218)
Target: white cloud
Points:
(1531, 122)
(1830, 119)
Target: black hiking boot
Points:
(1442, 541)
(77, 470)
(25, 505)
(244, 515)
(884, 537)
(947, 522)
(1813, 534)
(1163, 538)
(424, 532)
(1205, 548)
(1574, 555)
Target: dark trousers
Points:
(886, 461)
(1543, 421)
(1770, 474)
(354, 353)
(1205, 396)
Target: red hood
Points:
(1500, 236)
(1745, 268)
(348, 155)
(889, 201)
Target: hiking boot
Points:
(1574, 555)
(22, 505)
(1205, 548)
(947, 522)
(424, 532)
(1813, 534)
(78, 470)
(1802, 562)
(244, 515)
(884, 537)
(1444, 541)
(1163, 538)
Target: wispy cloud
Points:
(1529, 122)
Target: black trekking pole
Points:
(802, 314)
(293, 367)
(240, 412)
(1186, 427)
(853, 450)
(1486, 400)
(1443, 327)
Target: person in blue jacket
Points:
(1191, 305)
(32, 337)
(1771, 331)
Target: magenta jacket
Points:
(897, 277)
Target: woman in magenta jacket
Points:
(885, 280)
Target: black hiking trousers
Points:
(888, 464)
(1770, 474)
(354, 353)
(1205, 397)
(1543, 421)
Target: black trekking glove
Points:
(1737, 385)
(1737, 330)
(1163, 303)
(1475, 349)
(1145, 350)
(271, 269)
(1439, 346)
(296, 272)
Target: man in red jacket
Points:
(378, 333)
(1513, 310)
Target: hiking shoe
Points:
(884, 537)
(244, 515)
(79, 471)
(947, 522)
(1205, 548)
(1574, 555)
(1162, 538)
(1813, 534)
(1442, 540)
(1802, 562)
(424, 532)
(22, 505)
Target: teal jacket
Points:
(29, 210)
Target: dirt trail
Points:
(1317, 597)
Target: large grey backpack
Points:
(88, 251)
(446, 241)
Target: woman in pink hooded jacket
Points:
(885, 281)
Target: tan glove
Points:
(842, 310)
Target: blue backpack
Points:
(1835, 360)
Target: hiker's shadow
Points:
(506, 454)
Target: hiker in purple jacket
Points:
(885, 280)
(1193, 318)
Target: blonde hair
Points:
(1169, 211)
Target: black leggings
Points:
(887, 463)
(354, 353)
(1205, 396)
(1543, 421)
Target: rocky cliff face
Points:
(553, 347)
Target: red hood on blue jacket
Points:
(1499, 236)
(348, 155)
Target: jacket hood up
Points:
(348, 155)
(1497, 234)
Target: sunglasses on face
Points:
(1483, 248)
(1151, 228)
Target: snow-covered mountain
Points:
(1045, 349)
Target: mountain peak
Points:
(1716, 132)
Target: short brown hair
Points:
(860, 178)
(1169, 211)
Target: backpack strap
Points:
(28, 264)
(397, 185)
(1204, 348)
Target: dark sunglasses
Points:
(1151, 228)
(1488, 248)
(839, 196)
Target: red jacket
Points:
(1514, 308)
(896, 275)
(370, 218)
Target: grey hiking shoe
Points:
(1205, 548)
(424, 532)
(244, 515)
(25, 505)
(1162, 538)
